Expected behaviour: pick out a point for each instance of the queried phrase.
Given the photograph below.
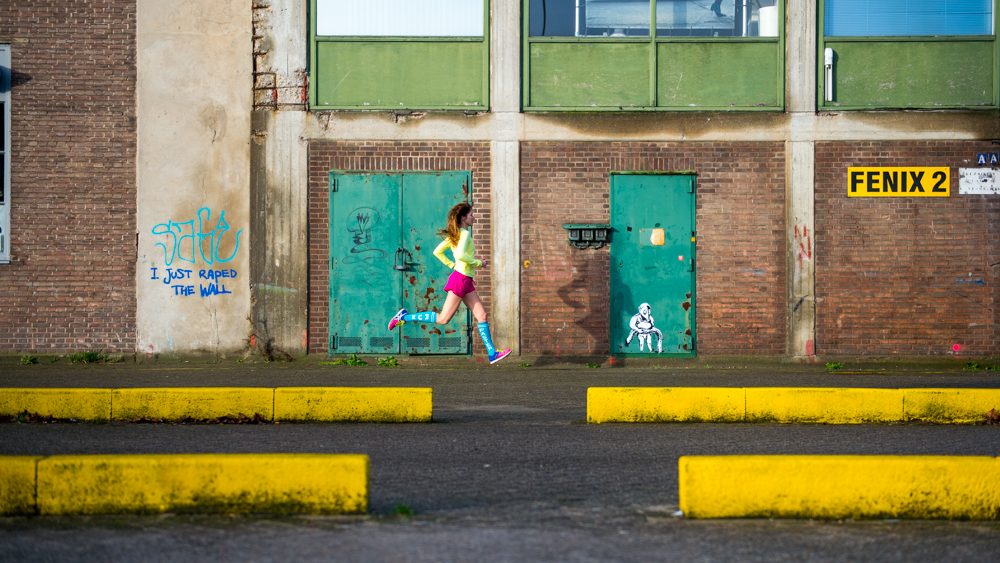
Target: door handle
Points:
(401, 260)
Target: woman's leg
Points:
(451, 303)
(475, 305)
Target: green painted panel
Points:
(427, 197)
(400, 74)
(719, 75)
(911, 74)
(652, 264)
(364, 235)
(589, 75)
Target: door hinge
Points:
(333, 186)
(333, 341)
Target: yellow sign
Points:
(899, 181)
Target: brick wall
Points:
(386, 156)
(905, 276)
(71, 281)
(741, 250)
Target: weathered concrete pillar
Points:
(192, 176)
(505, 102)
(800, 151)
(279, 258)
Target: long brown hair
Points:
(452, 231)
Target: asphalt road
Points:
(508, 471)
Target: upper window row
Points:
(633, 18)
(676, 55)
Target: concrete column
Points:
(279, 253)
(800, 221)
(506, 260)
(800, 56)
(279, 257)
(800, 152)
(505, 103)
(193, 102)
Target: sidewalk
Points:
(512, 374)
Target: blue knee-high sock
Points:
(423, 316)
(484, 331)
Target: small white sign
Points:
(978, 181)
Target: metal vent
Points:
(381, 341)
(418, 342)
(348, 341)
(450, 342)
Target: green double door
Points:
(383, 231)
(652, 264)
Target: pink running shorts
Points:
(460, 284)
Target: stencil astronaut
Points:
(642, 326)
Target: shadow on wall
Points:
(16, 79)
(586, 297)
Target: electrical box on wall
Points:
(587, 235)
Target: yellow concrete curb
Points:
(17, 484)
(957, 406)
(221, 404)
(840, 486)
(261, 483)
(824, 405)
(353, 404)
(248, 404)
(789, 405)
(59, 403)
(665, 404)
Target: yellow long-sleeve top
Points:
(464, 252)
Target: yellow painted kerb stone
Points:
(827, 405)
(665, 404)
(193, 403)
(83, 404)
(17, 485)
(832, 487)
(353, 404)
(261, 483)
(950, 406)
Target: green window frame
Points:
(652, 72)
(398, 72)
(907, 72)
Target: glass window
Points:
(400, 18)
(867, 18)
(631, 18)
(5, 85)
(717, 18)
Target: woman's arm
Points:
(464, 250)
(439, 253)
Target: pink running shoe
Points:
(397, 319)
(500, 354)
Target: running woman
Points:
(460, 287)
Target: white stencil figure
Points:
(642, 326)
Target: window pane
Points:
(588, 18)
(908, 17)
(717, 18)
(395, 18)
(617, 18)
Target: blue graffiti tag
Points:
(186, 242)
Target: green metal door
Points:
(426, 199)
(652, 264)
(382, 234)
